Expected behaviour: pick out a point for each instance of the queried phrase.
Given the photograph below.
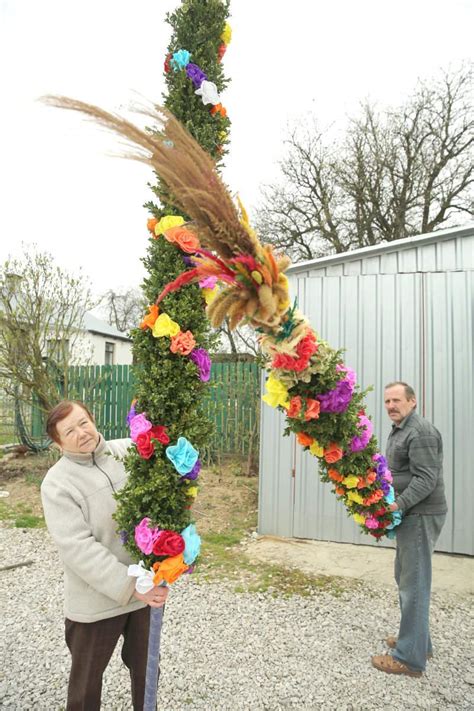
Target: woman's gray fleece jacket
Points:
(78, 502)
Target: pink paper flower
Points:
(145, 536)
(138, 425)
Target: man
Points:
(415, 457)
(101, 603)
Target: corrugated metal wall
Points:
(401, 311)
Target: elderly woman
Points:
(101, 603)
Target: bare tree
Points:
(41, 315)
(395, 174)
(124, 308)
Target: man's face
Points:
(397, 404)
(77, 433)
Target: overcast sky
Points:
(59, 186)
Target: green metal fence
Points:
(232, 403)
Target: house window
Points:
(109, 353)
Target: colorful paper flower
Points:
(132, 412)
(151, 224)
(145, 535)
(159, 433)
(351, 481)
(192, 543)
(186, 240)
(182, 455)
(183, 343)
(150, 318)
(210, 294)
(360, 442)
(180, 59)
(165, 326)
(208, 93)
(201, 358)
(196, 74)
(145, 447)
(333, 453)
(358, 518)
(294, 407)
(139, 424)
(169, 570)
(168, 543)
(167, 223)
(304, 439)
(312, 409)
(316, 449)
(226, 35)
(194, 473)
(277, 392)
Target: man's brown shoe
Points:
(392, 643)
(386, 663)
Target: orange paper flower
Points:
(151, 224)
(312, 409)
(333, 453)
(183, 343)
(374, 497)
(340, 491)
(295, 406)
(335, 475)
(183, 238)
(150, 318)
(219, 109)
(169, 569)
(304, 439)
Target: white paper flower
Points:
(144, 577)
(208, 92)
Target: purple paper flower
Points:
(360, 442)
(123, 535)
(194, 473)
(201, 358)
(131, 413)
(188, 260)
(196, 74)
(384, 476)
(338, 399)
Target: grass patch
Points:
(20, 515)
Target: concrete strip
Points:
(451, 573)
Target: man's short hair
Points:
(409, 392)
(59, 412)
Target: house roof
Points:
(102, 328)
(396, 245)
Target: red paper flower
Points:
(167, 65)
(159, 432)
(168, 543)
(221, 50)
(145, 446)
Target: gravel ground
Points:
(222, 650)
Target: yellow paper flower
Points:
(210, 294)
(351, 481)
(316, 449)
(277, 392)
(226, 35)
(164, 326)
(192, 491)
(355, 497)
(167, 222)
(358, 518)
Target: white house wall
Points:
(396, 320)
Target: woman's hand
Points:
(156, 597)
